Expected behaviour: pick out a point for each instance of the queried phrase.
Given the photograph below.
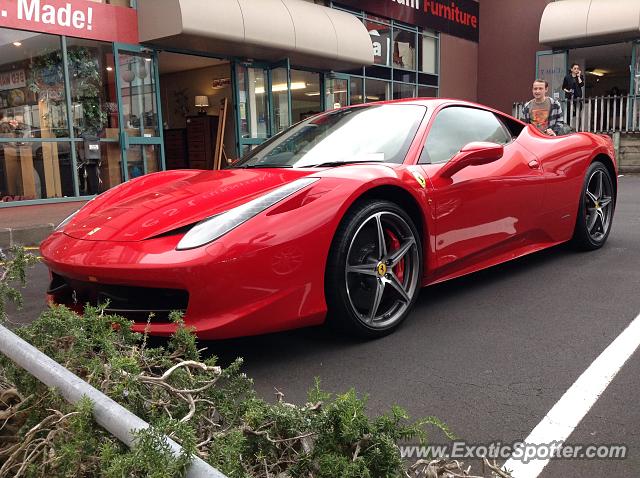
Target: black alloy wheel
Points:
(595, 212)
(374, 269)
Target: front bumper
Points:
(226, 289)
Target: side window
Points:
(457, 126)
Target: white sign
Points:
(12, 79)
(81, 18)
(65, 16)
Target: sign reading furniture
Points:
(459, 18)
(76, 18)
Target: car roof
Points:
(437, 102)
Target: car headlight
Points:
(60, 226)
(214, 227)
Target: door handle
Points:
(534, 164)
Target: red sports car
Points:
(342, 217)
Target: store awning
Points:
(309, 35)
(578, 23)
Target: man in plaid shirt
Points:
(542, 111)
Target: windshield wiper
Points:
(328, 164)
(265, 165)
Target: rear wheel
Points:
(374, 269)
(595, 213)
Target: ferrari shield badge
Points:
(419, 177)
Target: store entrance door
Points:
(263, 98)
(552, 66)
(337, 91)
(139, 114)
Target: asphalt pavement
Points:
(489, 353)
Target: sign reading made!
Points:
(459, 18)
(76, 18)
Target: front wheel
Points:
(374, 269)
(595, 212)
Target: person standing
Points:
(542, 111)
(572, 86)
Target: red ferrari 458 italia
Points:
(341, 218)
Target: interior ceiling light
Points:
(109, 68)
(317, 93)
(598, 72)
(17, 43)
(296, 85)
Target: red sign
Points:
(75, 18)
(455, 17)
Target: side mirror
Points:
(472, 154)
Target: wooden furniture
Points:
(50, 159)
(110, 170)
(220, 155)
(19, 164)
(175, 148)
(201, 141)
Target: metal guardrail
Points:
(598, 114)
(109, 414)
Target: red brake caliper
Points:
(394, 245)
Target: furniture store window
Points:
(403, 90)
(428, 53)
(404, 49)
(33, 116)
(406, 59)
(357, 90)
(380, 34)
(94, 107)
(306, 99)
(53, 145)
(377, 90)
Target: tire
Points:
(371, 289)
(596, 208)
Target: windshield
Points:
(360, 134)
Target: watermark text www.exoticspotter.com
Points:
(519, 450)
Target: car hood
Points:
(159, 203)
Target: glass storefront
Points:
(406, 62)
(34, 157)
(79, 116)
(294, 95)
(306, 94)
(62, 131)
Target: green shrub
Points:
(212, 412)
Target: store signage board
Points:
(10, 80)
(460, 18)
(75, 18)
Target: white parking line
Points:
(567, 413)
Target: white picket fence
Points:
(599, 114)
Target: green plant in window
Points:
(47, 81)
(86, 82)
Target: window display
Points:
(32, 106)
(45, 152)
(404, 49)
(380, 41)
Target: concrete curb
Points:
(630, 169)
(25, 236)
